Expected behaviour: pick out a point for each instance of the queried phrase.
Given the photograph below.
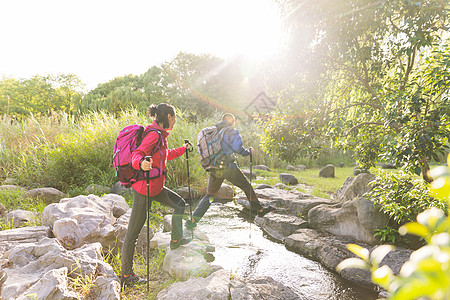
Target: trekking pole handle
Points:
(190, 146)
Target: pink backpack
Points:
(129, 140)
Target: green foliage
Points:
(380, 78)
(40, 95)
(13, 199)
(402, 196)
(427, 272)
(389, 235)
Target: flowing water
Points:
(246, 253)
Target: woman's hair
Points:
(161, 111)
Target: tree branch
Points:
(362, 124)
(358, 104)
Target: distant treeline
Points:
(197, 84)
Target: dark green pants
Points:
(234, 175)
(139, 216)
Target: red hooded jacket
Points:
(145, 149)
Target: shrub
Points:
(402, 196)
(427, 272)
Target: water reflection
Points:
(246, 253)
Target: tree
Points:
(39, 94)
(380, 69)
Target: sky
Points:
(99, 40)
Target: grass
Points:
(317, 186)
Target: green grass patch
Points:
(319, 186)
(328, 185)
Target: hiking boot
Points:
(131, 279)
(264, 211)
(175, 244)
(190, 225)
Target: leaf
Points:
(379, 253)
(383, 276)
(414, 228)
(352, 263)
(358, 250)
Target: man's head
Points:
(229, 118)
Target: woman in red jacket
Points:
(163, 123)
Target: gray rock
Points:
(42, 269)
(225, 194)
(327, 171)
(13, 237)
(332, 250)
(262, 287)
(262, 186)
(48, 195)
(301, 167)
(184, 193)
(2, 210)
(355, 187)
(340, 192)
(293, 202)
(87, 219)
(281, 186)
(261, 167)
(341, 164)
(222, 285)
(119, 189)
(19, 217)
(9, 187)
(357, 219)
(214, 287)
(328, 250)
(288, 179)
(290, 168)
(247, 174)
(190, 260)
(280, 226)
(388, 166)
(97, 189)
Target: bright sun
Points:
(258, 32)
(239, 27)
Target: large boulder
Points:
(355, 187)
(327, 171)
(190, 260)
(224, 194)
(223, 285)
(43, 269)
(48, 195)
(13, 237)
(291, 202)
(331, 250)
(280, 226)
(357, 219)
(87, 219)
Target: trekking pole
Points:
(189, 183)
(251, 188)
(148, 207)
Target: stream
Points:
(253, 253)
